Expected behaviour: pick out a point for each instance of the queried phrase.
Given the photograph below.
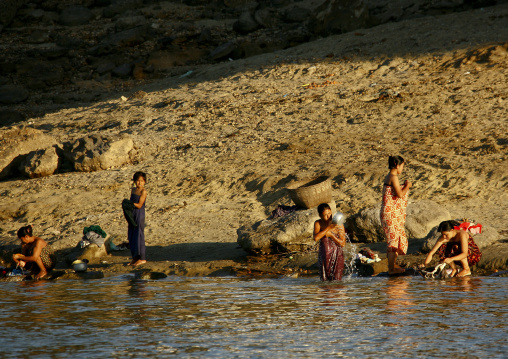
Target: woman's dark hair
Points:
(321, 208)
(394, 161)
(139, 174)
(447, 226)
(25, 231)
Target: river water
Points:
(226, 317)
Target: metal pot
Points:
(80, 266)
(338, 218)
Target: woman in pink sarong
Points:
(331, 237)
(393, 213)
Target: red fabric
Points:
(451, 249)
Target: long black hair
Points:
(447, 226)
(394, 161)
(25, 231)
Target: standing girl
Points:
(136, 234)
(393, 213)
(331, 237)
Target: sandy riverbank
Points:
(233, 135)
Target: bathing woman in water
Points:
(332, 238)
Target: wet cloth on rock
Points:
(393, 219)
(451, 249)
(93, 238)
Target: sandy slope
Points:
(220, 145)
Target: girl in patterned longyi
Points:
(393, 213)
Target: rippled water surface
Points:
(119, 317)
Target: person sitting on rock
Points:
(455, 246)
(36, 254)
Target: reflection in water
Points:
(259, 318)
(399, 300)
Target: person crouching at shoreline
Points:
(36, 255)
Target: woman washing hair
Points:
(36, 254)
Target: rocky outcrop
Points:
(16, 144)
(383, 11)
(10, 94)
(96, 152)
(54, 44)
(421, 218)
(9, 10)
(34, 154)
(40, 163)
(338, 16)
(292, 232)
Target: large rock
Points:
(338, 16)
(75, 15)
(40, 163)
(495, 257)
(421, 217)
(292, 232)
(245, 24)
(383, 11)
(96, 152)
(11, 94)
(10, 117)
(8, 9)
(16, 144)
(222, 51)
(92, 253)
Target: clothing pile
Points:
(282, 210)
(93, 235)
(470, 227)
(13, 272)
(440, 272)
(366, 255)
